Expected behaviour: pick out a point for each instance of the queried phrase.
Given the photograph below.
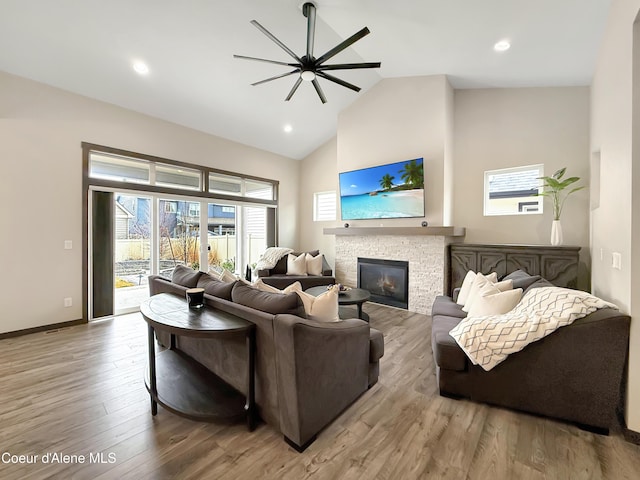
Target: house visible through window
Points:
(324, 206)
(513, 191)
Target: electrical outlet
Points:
(68, 302)
(616, 260)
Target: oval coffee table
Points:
(354, 296)
(184, 386)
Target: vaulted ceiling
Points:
(88, 47)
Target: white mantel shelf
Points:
(441, 231)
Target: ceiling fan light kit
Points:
(308, 67)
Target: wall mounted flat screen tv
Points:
(395, 190)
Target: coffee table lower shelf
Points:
(190, 390)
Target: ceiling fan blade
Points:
(309, 11)
(333, 79)
(349, 66)
(293, 90)
(276, 41)
(266, 60)
(319, 91)
(297, 70)
(338, 48)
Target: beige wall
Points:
(615, 223)
(400, 119)
(318, 173)
(41, 129)
(501, 128)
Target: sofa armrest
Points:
(326, 268)
(321, 369)
(159, 284)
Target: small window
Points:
(178, 177)
(256, 189)
(194, 209)
(120, 169)
(324, 206)
(226, 184)
(171, 207)
(513, 191)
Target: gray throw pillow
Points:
(522, 279)
(269, 302)
(215, 287)
(185, 276)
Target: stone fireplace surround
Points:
(425, 248)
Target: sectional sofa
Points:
(307, 372)
(574, 374)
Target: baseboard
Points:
(42, 328)
(631, 436)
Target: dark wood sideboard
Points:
(559, 265)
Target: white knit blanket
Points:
(488, 340)
(271, 256)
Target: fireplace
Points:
(386, 280)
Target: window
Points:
(178, 177)
(194, 209)
(513, 191)
(119, 169)
(171, 207)
(324, 206)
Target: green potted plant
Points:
(554, 187)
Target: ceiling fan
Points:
(308, 67)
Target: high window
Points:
(513, 191)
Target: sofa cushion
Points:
(268, 302)
(522, 279)
(185, 276)
(446, 351)
(444, 305)
(215, 287)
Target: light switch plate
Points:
(68, 244)
(616, 260)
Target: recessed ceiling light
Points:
(502, 46)
(288, 128)
(140, 67)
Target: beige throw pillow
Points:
(314, 264)
(491, 303)
(466, 287)
(479, 282)
(324, 307)
(227, 276)
(260, 285)
(297, 265)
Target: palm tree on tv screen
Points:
(386, 182)
(413, 174)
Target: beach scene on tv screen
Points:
(395, 190)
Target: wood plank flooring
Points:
(80, 391)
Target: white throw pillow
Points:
(324, 307)
(479, 282)
(314, 264)
(297, 265)
(495, 303)
(466, 287)
(260, 285)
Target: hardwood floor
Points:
(79, 391)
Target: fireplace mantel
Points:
(441, 231)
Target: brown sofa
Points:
(573, 374)
(307, 372)
(277, 276)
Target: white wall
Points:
(501, 128)
(41, 129)
(615, 224)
